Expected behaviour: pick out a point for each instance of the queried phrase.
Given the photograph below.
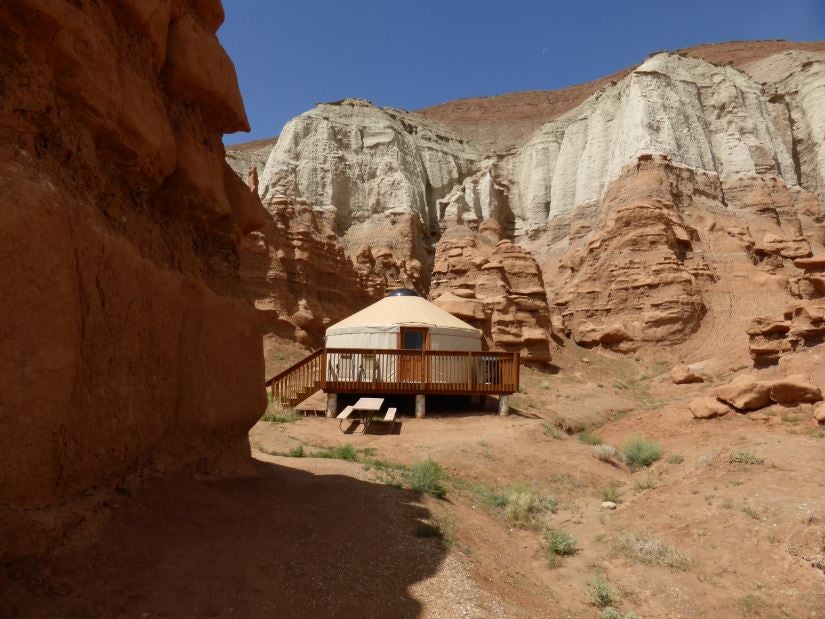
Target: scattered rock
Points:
(745, 393)
(707, 407)
(682, 374)
(819, 414)
(608, 505)
(795, 388)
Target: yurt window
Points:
(413, 338)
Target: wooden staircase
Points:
(297, 383)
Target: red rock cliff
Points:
(125, 343)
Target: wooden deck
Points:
(388, 372)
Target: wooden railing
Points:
(297, 383)
(363, 370)
(412, 371)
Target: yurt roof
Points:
(401, 311)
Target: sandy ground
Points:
(313, 537)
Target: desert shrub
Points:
(750, 605)
(550, 504)
(675, 459)
(490, 496)
(558, 543)
(648, 482)
(296, 452)
(605, 453)
(750, 512)
(639, 452)
(610, 613)
(588, 438)
(600, 592)
(745, 457)
(277, 413)
(551, 430)
(649, 550)
(521, 503)
(611, 492)
(427, 477)
(339, 452)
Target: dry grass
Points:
(604, 453)
(649, 550)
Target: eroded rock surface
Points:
(127, 345)
(301, 278)
(651, 200)
(494, 285)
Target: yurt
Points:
(403, 321)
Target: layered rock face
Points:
(126, 344)
(494, 285)
(636, 278)
(379, 172)
(645, 206)
(302, 280)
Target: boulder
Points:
(819, 414)
(707, 407)
(745, 393)
(682, 374)
(794, 388)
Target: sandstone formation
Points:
(651, 200)
(494, 285)
(378, 172)
(682, 374)
(746, 392)
(302, 281)
(707, 407)
(126, 344)
(634, 280)
(802, 325)
(243, 156)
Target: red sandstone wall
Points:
(125, 343)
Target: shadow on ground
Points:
(287, 543)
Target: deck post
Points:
(420, 406)
(332, 404)
(504, 405)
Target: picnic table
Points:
(365, 409)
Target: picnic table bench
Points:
(366, 409)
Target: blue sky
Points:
(290, 54)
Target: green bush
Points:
(611, 492)
(675, 459)
(588, 438)
(340, 452)
(558, 543)
(296, 452)
(638, 452)
(426, 477)
(601, 593)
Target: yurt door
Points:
(411, 366)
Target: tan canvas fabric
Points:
(377, 326)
